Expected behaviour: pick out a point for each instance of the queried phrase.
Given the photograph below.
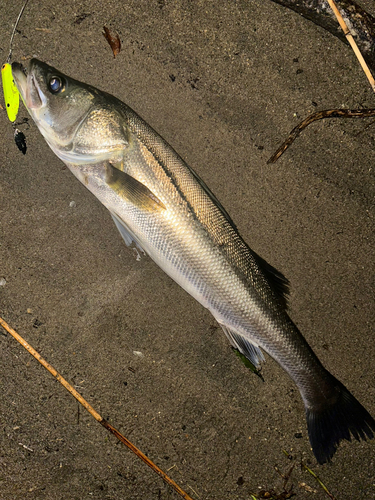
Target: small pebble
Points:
(138, 353)
(3, 281)
(72, 204)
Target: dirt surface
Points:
(223, 83)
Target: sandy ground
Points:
(224, 83)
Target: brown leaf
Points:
(113, 40)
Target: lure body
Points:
(11, 94)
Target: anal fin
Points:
(127, 235)
(248, 349)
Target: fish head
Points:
(78, 121)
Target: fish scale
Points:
(160, 203)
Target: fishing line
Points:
(14, 31)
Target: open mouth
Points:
(20, 76)
(27, 86)
(19, 67)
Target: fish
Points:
(160, 205)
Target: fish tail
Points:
(339, 419)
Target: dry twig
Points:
(332, 113)
(353, 44)
(91, 410)
(328, 113)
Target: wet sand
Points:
(224, 84)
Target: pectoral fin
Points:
(132, 190)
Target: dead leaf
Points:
(113, 40)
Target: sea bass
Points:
(161, 205)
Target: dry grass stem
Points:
(94, 413)
(353, 44)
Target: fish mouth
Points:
(19, 73)
(28, 87)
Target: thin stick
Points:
(319, 481)
(353, 44)
(320, 115)
(91, 410)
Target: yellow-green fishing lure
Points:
(11, 94)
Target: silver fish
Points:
(158, 202)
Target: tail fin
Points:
(337, 421)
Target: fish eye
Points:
(56, 84)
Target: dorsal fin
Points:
(277, 281)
